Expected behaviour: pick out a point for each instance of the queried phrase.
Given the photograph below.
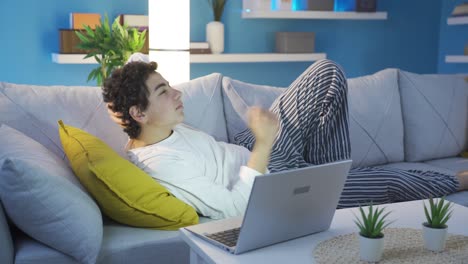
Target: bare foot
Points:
(463, 179)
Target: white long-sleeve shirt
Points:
(210, 176)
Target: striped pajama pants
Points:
(313, 115)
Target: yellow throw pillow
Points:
(464, 154)
(124, 192)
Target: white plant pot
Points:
(371, 249)
(434, 238)
(215, 36)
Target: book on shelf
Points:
(200, 51)
(78, 20)
(69, 40)
(136, 21)
(199, 45)
(200, 48)
(460, 10)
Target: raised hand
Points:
(263, 124)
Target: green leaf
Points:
(440, 212)
(373, 222)
(217, 7)
(82, 37)
(433, 207)
(428, 217)
(89, 31)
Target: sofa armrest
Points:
(6, 243)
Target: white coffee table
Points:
(300, 250)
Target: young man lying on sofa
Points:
(306, 125)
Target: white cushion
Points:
(435, 114)
(375, 123)
(239, 96)
(203, 105)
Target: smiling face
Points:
(165, 108)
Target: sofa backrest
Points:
(35, 110)
(435, 115)
(203, 105)
(238, 97)
(376, 126)
(375, 122)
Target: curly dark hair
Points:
(126, 87)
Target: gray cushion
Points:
(435, 114)
(203, 105)
(239, 96)
(454, 164)
(447, 166)
(460, 198)
(34, 110)
(43, 198)
(6, 244)
(30, 251)
(121, 244)
(418, 166)
(375, 123)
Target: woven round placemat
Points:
(402, 245)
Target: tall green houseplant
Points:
(110, 45)
(218, 8)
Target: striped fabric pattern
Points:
(313, 116)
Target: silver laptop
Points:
(282, 206)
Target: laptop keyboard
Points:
(227, 237)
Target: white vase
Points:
(215, 36)
(434, 238)
(371, 249)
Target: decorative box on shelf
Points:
(295, 42)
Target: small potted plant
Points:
(371, 238)
(110, 45)
(435, 229)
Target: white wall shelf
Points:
(72, 59)
(456, 59)
(247, 13)
(211, 58)
(256, 57)
(457, 20)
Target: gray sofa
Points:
(397, 119)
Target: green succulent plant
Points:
(110, 45)
(438, 214)
(218, 8)
(373, 223)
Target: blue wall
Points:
(452, 40)
(409, 39)
(30, 35)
